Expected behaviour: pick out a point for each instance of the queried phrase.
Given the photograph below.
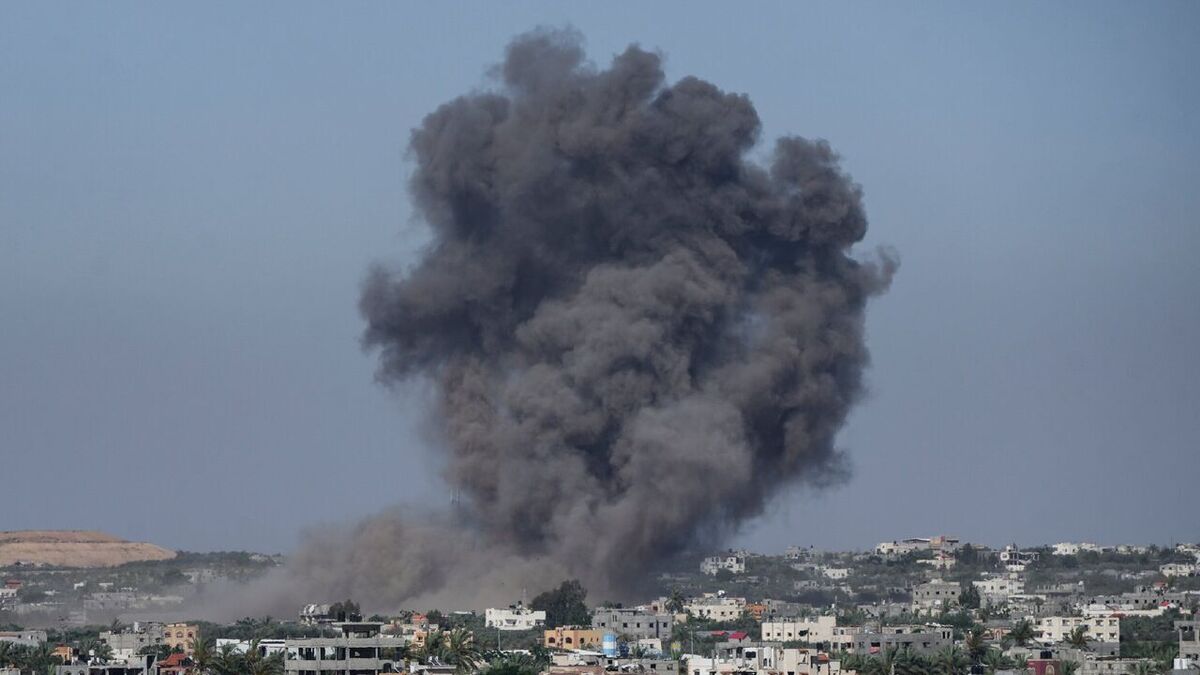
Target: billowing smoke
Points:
(638, 334)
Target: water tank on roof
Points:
(608, 644)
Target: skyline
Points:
(189, 205)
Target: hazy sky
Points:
(190, 197)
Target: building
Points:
(734, 563)
(516, 617)
(358, 650)
(1068, 548)
(935, 596)
(836, 573)
(313, 615)
(998, 589)
(1099, 629)
(814, 630)
(1189, 638)
(127, 644)
(1179, 570)
(1015, 560)
(634, 623)
(28, 638)
(893, 549)
(572, 637)
(923, 639)
(182, 636)
(715, 606)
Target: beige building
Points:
(572, 637)
(181, 635)
(1099, 628)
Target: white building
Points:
(1069, 548)
(901, 547)
(733, 563)
(836, 572)
(716, 606)
(516, 617)
(1179, 570)
(1099, 629)
(998, 589)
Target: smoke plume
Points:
(638, 335)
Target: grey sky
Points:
(190, 196)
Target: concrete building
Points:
(1015, 560)
(1179, 570)
(572, 637)
(126, 644)
(935, 596)
(182, 636)
(1099, 629)
(358, 650)
(516, 617)
(733, 563)
(923, 639)
(27, 638)
(836, 573)
(1069, 548)
(716, 606)
(636, 624)
(1189, 639)
(814, 630)
(998, 589)
(893, 549)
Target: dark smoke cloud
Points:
(638, 334)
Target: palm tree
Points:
(1021, 632)
(1145, 667)
(951, 661)
(908, 662)
(1078, 638)
(883, 663)
(994, 660)
(1069, 667)
(974, 643)
(460, 650)
(203, 653)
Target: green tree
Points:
(564, 606)
(203, 653)
(969, 597)
(994, 660)
(1078, 637)
(675, 602)
(951, 661)
(1021, 632)
(974, 644)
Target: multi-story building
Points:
(359, 650)
(182, 636)
(998, 589)
(1180, 570)
(922, 639)
(716, 606)
(893, 549)
(516, 617)
(1099, 629)
(814, 630)
(935, 596)
(126, 644)
(634, 623)
(733, 563)
(572, 637)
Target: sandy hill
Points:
(74, 548)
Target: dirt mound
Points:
(74, 548)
